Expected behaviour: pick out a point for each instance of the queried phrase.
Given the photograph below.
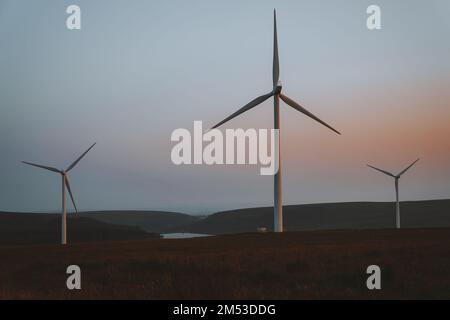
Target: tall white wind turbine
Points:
(396, 178)
(276, 94)
(65, 184)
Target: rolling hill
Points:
(130, 224)
(346, 215)
(150, 221)
(34, 229)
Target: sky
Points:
(138, 70)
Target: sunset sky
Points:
(140, 69)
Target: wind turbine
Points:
(396, 177)
(65, 183)
(276, 94)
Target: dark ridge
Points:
(324, 216)
(150, 221)
(346, 215)
(31, 228)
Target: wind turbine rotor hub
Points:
(277, 89)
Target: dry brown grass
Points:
(415, 263)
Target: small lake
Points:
(183, 235)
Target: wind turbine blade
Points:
(66, 179)
(79, 158)
(407, 168)
(276, 63)
(247, 107)
(42, 167)
(382, 171)
(298, 107)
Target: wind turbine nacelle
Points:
(277, 89)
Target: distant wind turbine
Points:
(65, 183)
(276, 94)
(396, 177)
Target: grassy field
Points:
(415, 263)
